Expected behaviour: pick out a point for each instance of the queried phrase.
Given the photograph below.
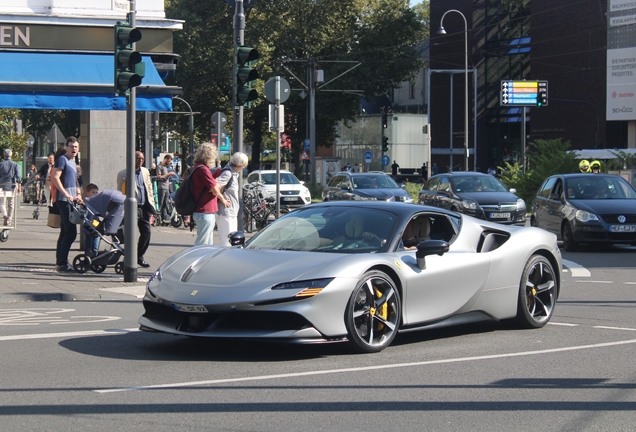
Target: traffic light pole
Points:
(237, 126)
(130, 206)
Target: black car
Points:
(370, 186)
(586, 208)
(476, 194)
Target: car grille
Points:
(500, 208)
(240, 320)
(613, 218)
(290, 192)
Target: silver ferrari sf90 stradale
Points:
(357, 271)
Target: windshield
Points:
(373, 181)
(329, 229)
(285, 178)
(477, 184)
(590, 186)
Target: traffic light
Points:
(385, 144)
(384, 120)
(129, 69)
(217, 129)
(245, 74)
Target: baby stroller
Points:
(34, 193)
(101, 217)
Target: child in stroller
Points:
(101, 217)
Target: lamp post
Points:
(441, 31)
(191, 132)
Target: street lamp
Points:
(441, 31)
(190, 159)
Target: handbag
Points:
(53, 220)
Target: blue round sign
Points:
(386, 160)
(368, 157)
(156, 152)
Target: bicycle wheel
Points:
(248, 221)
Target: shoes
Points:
(6, 220)
(142, 263)
(65, 269)
(9, 221)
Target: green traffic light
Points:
(129, 66)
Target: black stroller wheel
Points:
(81, 263)
(119, 267)
(4, 235)
(98, 268)
(176, 221)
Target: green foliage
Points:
(623, 161)
(9, 139)
(545, 158)
(381, 34)
(413, 189)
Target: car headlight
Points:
(307, 288)
(408, 199)
(585, 216)
(521, 205)
(470, 205)
(269, 191)
(153, 282)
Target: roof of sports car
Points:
(399, 208)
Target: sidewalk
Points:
(27, 263)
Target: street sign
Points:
(305, 156)
(368, 157)
(386, 160)
(307, 144)
(524, 93)
(270, 90)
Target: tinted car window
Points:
(477, 184)
(252, 178)
(444, 185)
(431, 185)
(545, 189)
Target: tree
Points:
(9, 138)
(380, 34)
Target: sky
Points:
(414, 2)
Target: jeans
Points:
(68, 233)
(205, 228)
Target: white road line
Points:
(68, 334)
(629, 283)
(362, 369)
(563, 324)
(577, 269)
(598, 282)
(615, 328)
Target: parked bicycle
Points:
(257, 210)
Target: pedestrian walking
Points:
(64, 178)
(45, 173)
(207, 192)
(227, 217)
(145, 204)
(10, 183)
(163, 186)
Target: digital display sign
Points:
(524, 93)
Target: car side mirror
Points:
(402, 185)
(513, 190)
(430, 247)
(345, 186)
(554, 197)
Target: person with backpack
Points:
(227, 217)
(206, 192)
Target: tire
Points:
(568, 239)
(81, 263)
(119, 268)
(176, 221)
(373, 313)
(538, 291)
(98, 268)
(4, 235)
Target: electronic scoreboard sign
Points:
(524, 93)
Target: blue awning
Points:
(74, 82)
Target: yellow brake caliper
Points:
(384, 309)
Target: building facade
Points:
(562, 43)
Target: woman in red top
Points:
(206, 190)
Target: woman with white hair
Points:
(227, 217)
(205, 191)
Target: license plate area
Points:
(190, 308)
(499, 215)
(289, 198)
(622, 228)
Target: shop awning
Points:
(74, 82)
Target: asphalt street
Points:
(27, 263)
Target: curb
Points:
(43, 297)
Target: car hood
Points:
(485, 198)
(606, 206)
(382, 193)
